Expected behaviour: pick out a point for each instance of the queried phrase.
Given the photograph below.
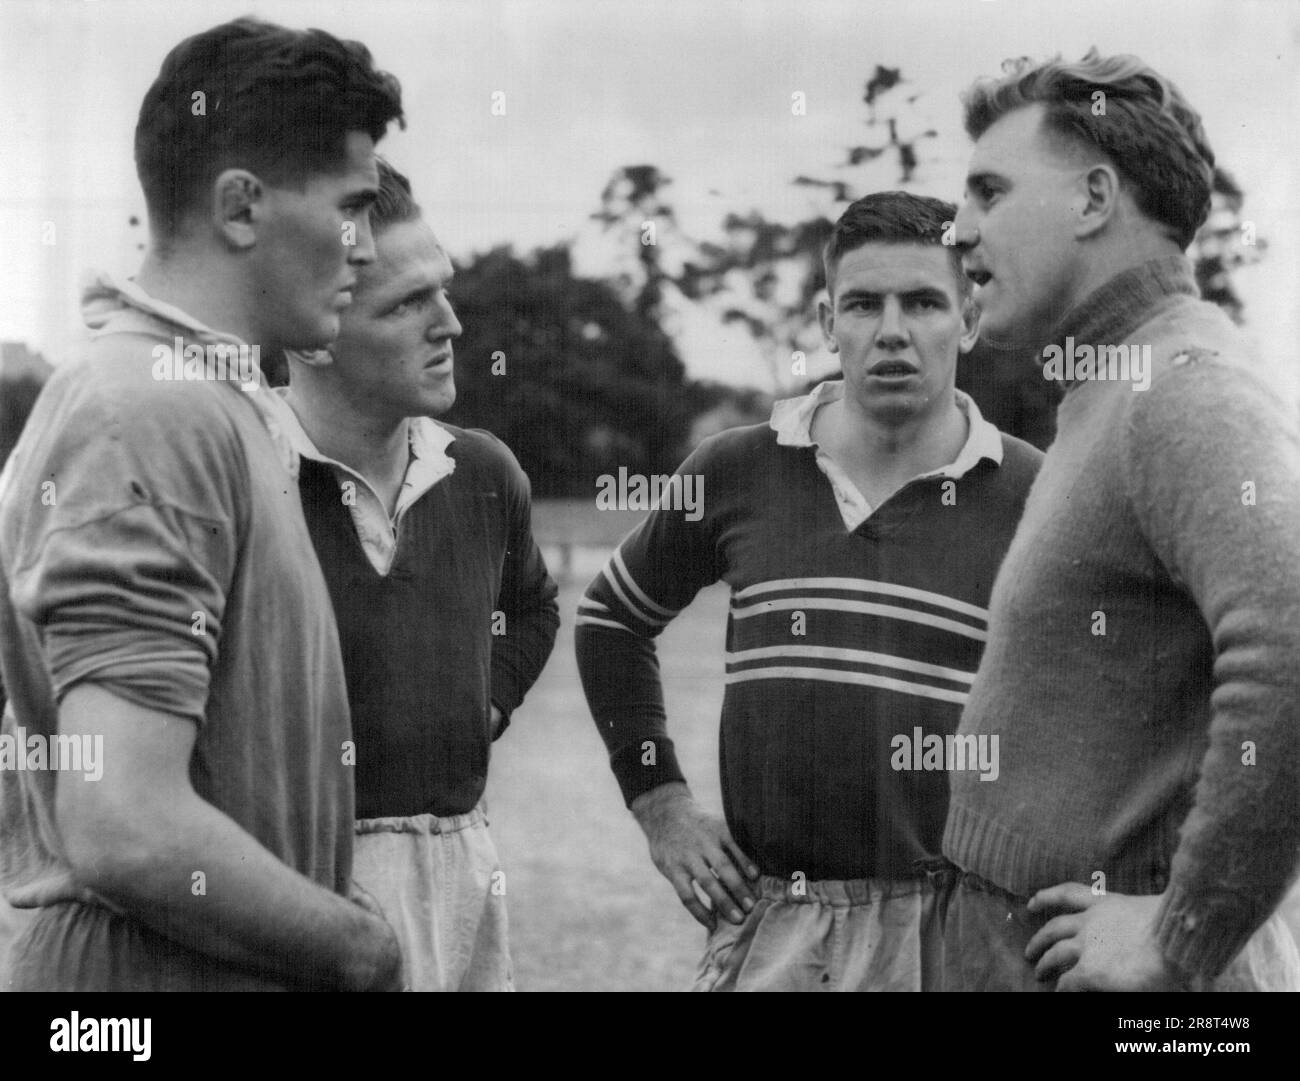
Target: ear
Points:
(238, 204)
(970, 322)
(1099, 194)
(826, 317)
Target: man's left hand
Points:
(1098, 942)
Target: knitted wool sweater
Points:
(1144, 631)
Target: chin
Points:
(310, 339)
(434, 405)
(1020, 328)
(996, 325)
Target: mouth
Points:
(893, 369)
(439, 360)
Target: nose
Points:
(446, 325)
(362, 252)
(890, 333)
(966, 234)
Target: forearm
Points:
(527, 598)
(142, 839)
(519, 655)
(1237, 853)
(620, 676)
(205, 883)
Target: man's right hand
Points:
(386, 971)
(137, 835)
(689, 845)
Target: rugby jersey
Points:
(840, 637)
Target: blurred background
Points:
(635, 197)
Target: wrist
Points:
(645, 764)
(665, 795)
(376, 961)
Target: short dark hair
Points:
(1148, 130)
(894, 217)
(394, 204)
(275, 101)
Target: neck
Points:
(375, 447)
(900, 447)
(208, 289)
(1121, 251)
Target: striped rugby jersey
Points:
(848, 626)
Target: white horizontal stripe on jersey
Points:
(863, 585)
(864, 679)
(612, 577)
(834, 604)
(856, 656)
(625, 575)
(592, 621)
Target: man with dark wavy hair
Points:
(160, 606)
(1143, 632)
(859, 532)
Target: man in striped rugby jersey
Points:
(859, 532)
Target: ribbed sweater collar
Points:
(1110, 313)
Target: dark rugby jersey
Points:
(838, 641)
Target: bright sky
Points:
(701, 89)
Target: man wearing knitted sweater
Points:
(859, 532)
(446, 613)
(1144, 629)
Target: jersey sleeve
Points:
(127, 544)
(652, 575)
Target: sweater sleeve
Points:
(528, 600)
(1215, 483)
(652, 575)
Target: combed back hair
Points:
(394, 204)
(252, 95)
(1147, 130)
(893, 217)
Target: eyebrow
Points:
(417, 292)
(925, 292)
(420, 291)
(363, 198)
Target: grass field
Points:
(588, 910)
